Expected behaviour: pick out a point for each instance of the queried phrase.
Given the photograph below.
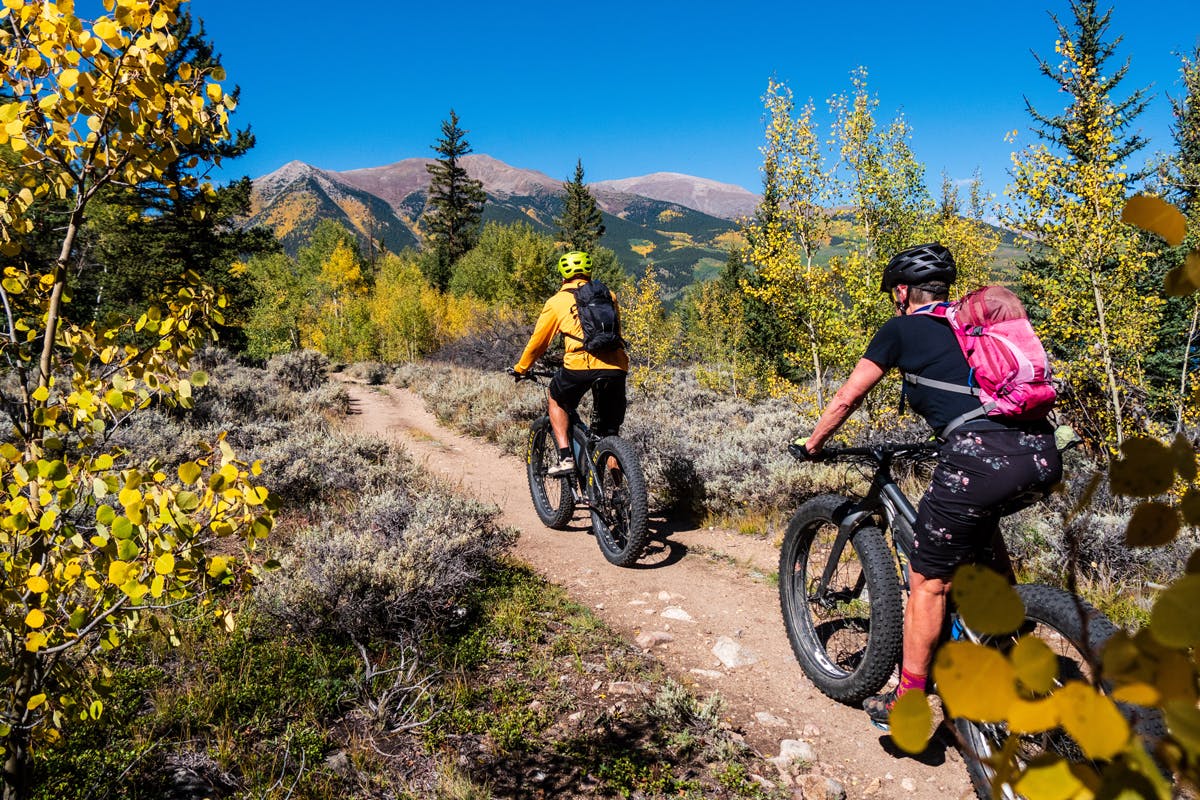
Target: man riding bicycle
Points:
(987, 467)
(602, 371)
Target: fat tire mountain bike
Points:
(608, 482)
(842, 588)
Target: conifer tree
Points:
(581, 224)
(1171, 365)
(455, 204)
(1068, 193)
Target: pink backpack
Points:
(1010, 373)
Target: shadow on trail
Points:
(661, 551)
(934, 755)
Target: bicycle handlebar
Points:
(532, 374)
(875, 453)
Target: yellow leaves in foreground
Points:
(910, 722)
(1157, 216)
(988, 604)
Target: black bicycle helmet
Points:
(920, 265)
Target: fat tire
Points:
(1086, 632)
(874, 663)
(624, 543)
(542, 489)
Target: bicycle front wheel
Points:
(617, 489)
(847, 636)
(1075, 632)
(552, 497)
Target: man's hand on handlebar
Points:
(800, 452)
(517, 376)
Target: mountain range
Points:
(684, 225)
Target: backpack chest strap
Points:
(911, 377)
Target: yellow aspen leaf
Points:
(910, 722)
(1139, 694)
(34, 702)
(1157, 216)
(36, 618)
(1185, 457)
(1035, 663)
(1051, 781)
(1093, 720)
(105, 30)
(255, 496)
(164, 564)
(157, 586)
(37, 584)
(14, 5)
(117, 572)
(189, 472)
(986, 601)
(217, 566)
(68, 78)
(1152, 525)
(213, 90)
(129, 497)
(1033, 716)
(1147, 468)
(1189, 506)
(1176, 677)
(41, 393)
(35, 641)
(95, 709)
(1183, 721)
(229, 472)
(975, 682)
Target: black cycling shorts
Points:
(981, 476)
(568, 386)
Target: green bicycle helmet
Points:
(574, 264)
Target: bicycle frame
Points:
(884, 495)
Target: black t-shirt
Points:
(924, 345)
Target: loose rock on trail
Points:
(703, 601)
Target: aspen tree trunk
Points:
(1106, 352)
(1183, 368)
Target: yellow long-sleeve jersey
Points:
(560, 315)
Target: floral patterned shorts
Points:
(981, 476)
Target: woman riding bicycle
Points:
(601, 371)
(987, 467)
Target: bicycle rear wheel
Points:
(847, 638)
(617, 489)
(552, 497)
(1075, 632)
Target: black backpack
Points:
(598, 316)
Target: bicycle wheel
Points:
(1075, 631)
(552, 498)
(618, 492)
(848, 638)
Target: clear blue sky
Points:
(633, 88)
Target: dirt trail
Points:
(717, 578)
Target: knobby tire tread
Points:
(552, 516)
(637, 537)
(886, 617)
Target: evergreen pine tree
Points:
(1089, 268)
(455, 205)
(581, 224)
(1092, 52)
(1171, 365)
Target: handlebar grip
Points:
(801, 453)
